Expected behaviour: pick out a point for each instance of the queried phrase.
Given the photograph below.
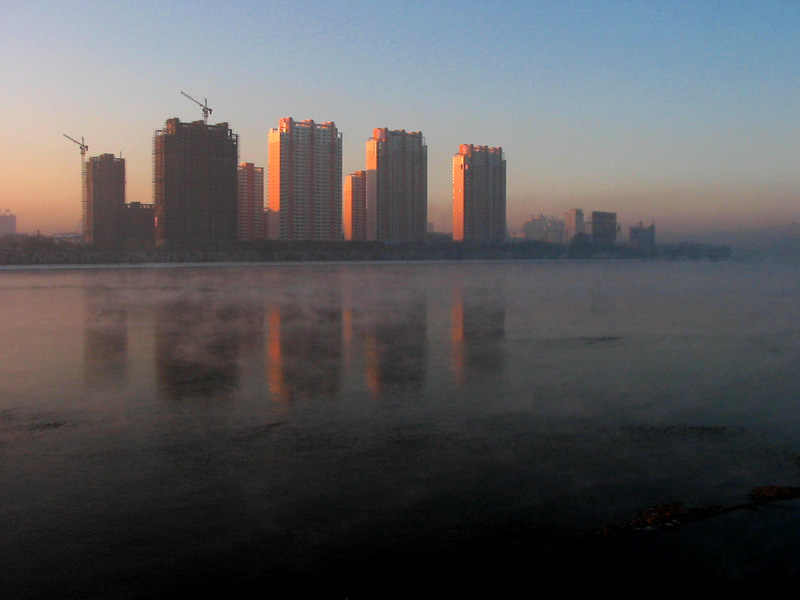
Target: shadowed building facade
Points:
(252, 220)
(604, 228)
(195, 182)
(139, 225)
(105, 201)
(643, 238)
(573, 224)
(397, 186)
(479, 194)
(305, 181)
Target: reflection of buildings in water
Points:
(304, 350)
(396, 346)
(478, 328)
(197, 347)
(251, 348)
(275, 378)
(105, 349)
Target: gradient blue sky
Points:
(682, 113)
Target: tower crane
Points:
(204, 105)
(84, 198)
(82, 145)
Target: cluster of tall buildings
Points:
(600, 229)
(202, 193)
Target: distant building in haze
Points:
(195, 180)
(544, 229)
(305, 181)
(8, 223)
(355, 206)
(643, 238)
(397, 186)
(479, 194)
(105, 201)
(604, 228)
(573, 224)
(252, 220)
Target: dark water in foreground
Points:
(372, 430)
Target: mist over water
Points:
(347, 426)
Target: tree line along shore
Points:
(43, 250)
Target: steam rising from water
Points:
(297, 413)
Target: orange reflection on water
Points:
(275, 368)
(372, 362)
(457, 336)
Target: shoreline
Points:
(46, 252)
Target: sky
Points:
(682, 113)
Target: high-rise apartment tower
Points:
(355, 206)
(479, 194)
(397, 186)
(195, 181)
(252, 223)
(105, 201)
(305, 181)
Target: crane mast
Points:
(204, 105)
(85, 220)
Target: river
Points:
(364, 429)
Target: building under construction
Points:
(139, 225)
(105, 201)
(195, 182)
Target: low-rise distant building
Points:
(8, 223)
(74, 237)
(544, 229)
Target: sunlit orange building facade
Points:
(479, 194)
(305, 181)
(397, 186)
(355, 206)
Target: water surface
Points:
(364, 427)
